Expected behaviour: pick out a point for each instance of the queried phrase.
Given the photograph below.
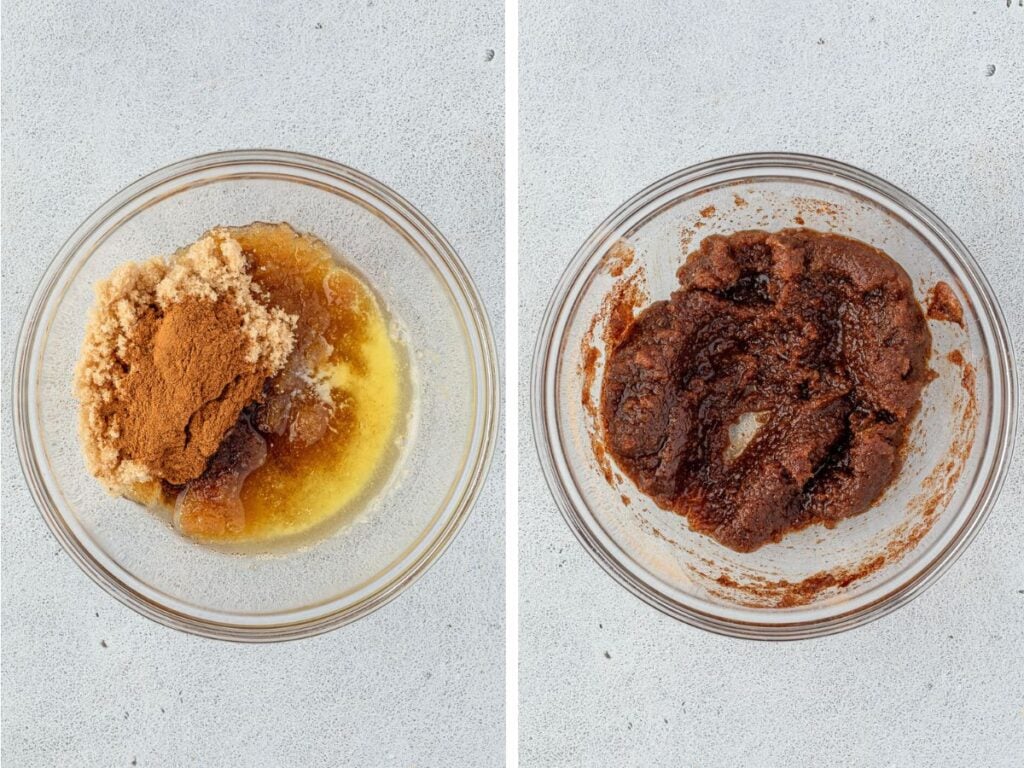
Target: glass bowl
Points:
(395, 536)
(816, 581)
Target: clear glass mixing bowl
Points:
(815, 581)
(436, 312)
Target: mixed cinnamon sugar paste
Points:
(247, 382)
(774, 389)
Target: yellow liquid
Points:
(321, 458)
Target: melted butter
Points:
(332, 419)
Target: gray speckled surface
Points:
(616, 97)
(97, 94)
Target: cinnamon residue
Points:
(821, 207)
(590, 356)
(786, 594)
(173, 352)
(619, 258)
(943, 305)
(620, 305)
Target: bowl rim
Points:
(399, 575)
(545, 397)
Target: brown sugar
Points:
(173, 352)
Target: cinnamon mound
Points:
(173, 352)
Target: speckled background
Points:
(613, 97)
(95, 95)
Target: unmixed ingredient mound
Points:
(774, 389)
(248, 385)
(174, 351)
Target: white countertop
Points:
(97, 94)
(613, 99)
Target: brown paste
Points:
(774, 389)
